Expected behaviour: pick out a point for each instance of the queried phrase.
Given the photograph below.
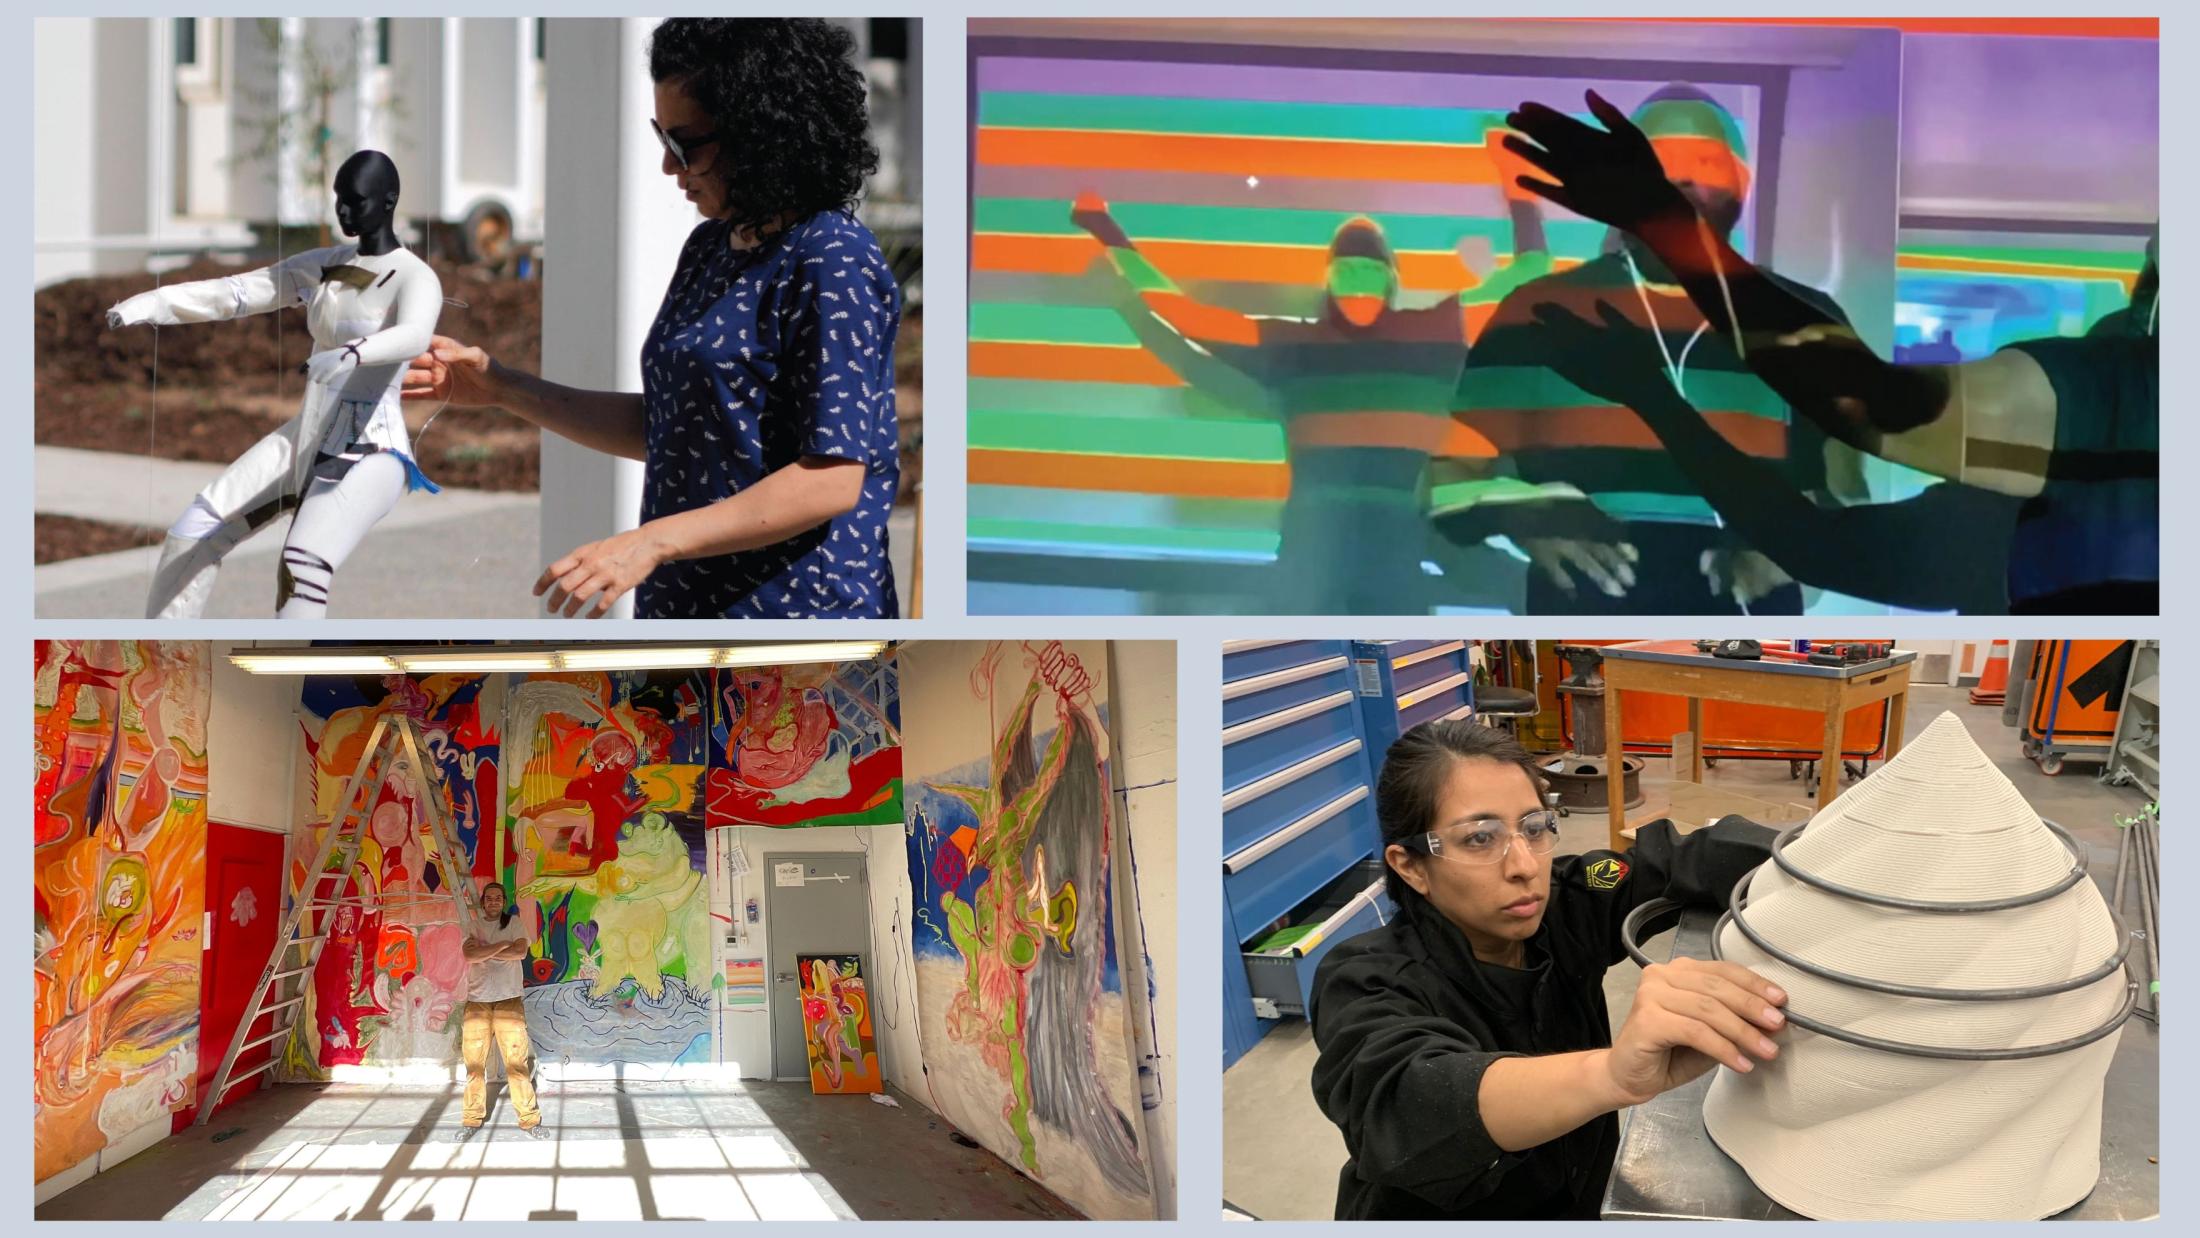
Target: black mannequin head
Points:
(366, 201)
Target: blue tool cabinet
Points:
(1304, 728)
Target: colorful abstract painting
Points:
(836, 1024)
(391, 978)
(805, 745)
(604, 793)
(1028, 1043)
(118, 888)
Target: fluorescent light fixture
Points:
(821, 651)
(478, 660)
(311, 663)
(524, 657)
(635, 658)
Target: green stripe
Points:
(1239, 117)
(997, 395)
(1667, 508)
(1533, 386)
(2100, 259)
(1255, 441)
(1121, 510)
(1030, 322)
(1237, 225)
(1239, 542)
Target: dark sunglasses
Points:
(677, 149)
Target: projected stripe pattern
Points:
(1231, 179)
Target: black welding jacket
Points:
(1407, 1019)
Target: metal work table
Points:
(1678, 668)
(1669, 1170)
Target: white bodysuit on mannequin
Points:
(344, 460)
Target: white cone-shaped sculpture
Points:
(1841, 1132)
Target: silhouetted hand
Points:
(1090, 212)
(1607, 565)
(1742, 575)
(1610, 175)
(1612, 359)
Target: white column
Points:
(609, 247)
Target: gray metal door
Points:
(815, 902)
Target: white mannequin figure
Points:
(345, 459)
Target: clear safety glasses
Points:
(1487, 842)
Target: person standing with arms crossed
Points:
(495, 1010)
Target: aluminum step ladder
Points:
(400, 736)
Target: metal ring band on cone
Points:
(2073, 877)
(1630, 932)
(2109, 968)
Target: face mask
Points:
(1360, 287)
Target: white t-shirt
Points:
(496, 980)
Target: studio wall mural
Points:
(1025, 1024)
(118, 887)
(391, 979)
(594, 820)
(605, 798)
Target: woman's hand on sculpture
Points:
(451, 373)
(1690, 1015)
(600, 573)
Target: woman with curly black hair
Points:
(766, 416)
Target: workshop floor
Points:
(618, 1152)
(1280, 1156)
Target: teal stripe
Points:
(1233, 441)
(1216, 544)
(1116, 509)
(1235, 225)
(1661, 508)
(1239, 117)
(995, 395)
(1030, 322)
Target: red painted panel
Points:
(244, 896)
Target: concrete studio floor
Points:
(619, 1152)
(1280, 1156)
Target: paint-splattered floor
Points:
(620, 1152)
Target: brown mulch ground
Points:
(66, 537)
(223, 385)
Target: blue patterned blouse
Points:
(759, 357)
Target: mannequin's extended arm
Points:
(287, 283)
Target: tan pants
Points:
(506, 1022)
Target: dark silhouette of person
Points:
(1515, 391)
(1363, 390)
(2072, 426)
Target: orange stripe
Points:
(2012, 266)
(1439, 436)
(1207, 323)
(1200, 479)
(1314, 158)
(1070, 363)
(1605, 425)
(1182, 261)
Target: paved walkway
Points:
(461, 554)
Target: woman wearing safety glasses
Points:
(1465, 1049)
(766, 416)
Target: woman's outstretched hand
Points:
(1690, 1015)
(1611, 175)
(593, 577)
(452, 373)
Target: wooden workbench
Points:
(1676, 668)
